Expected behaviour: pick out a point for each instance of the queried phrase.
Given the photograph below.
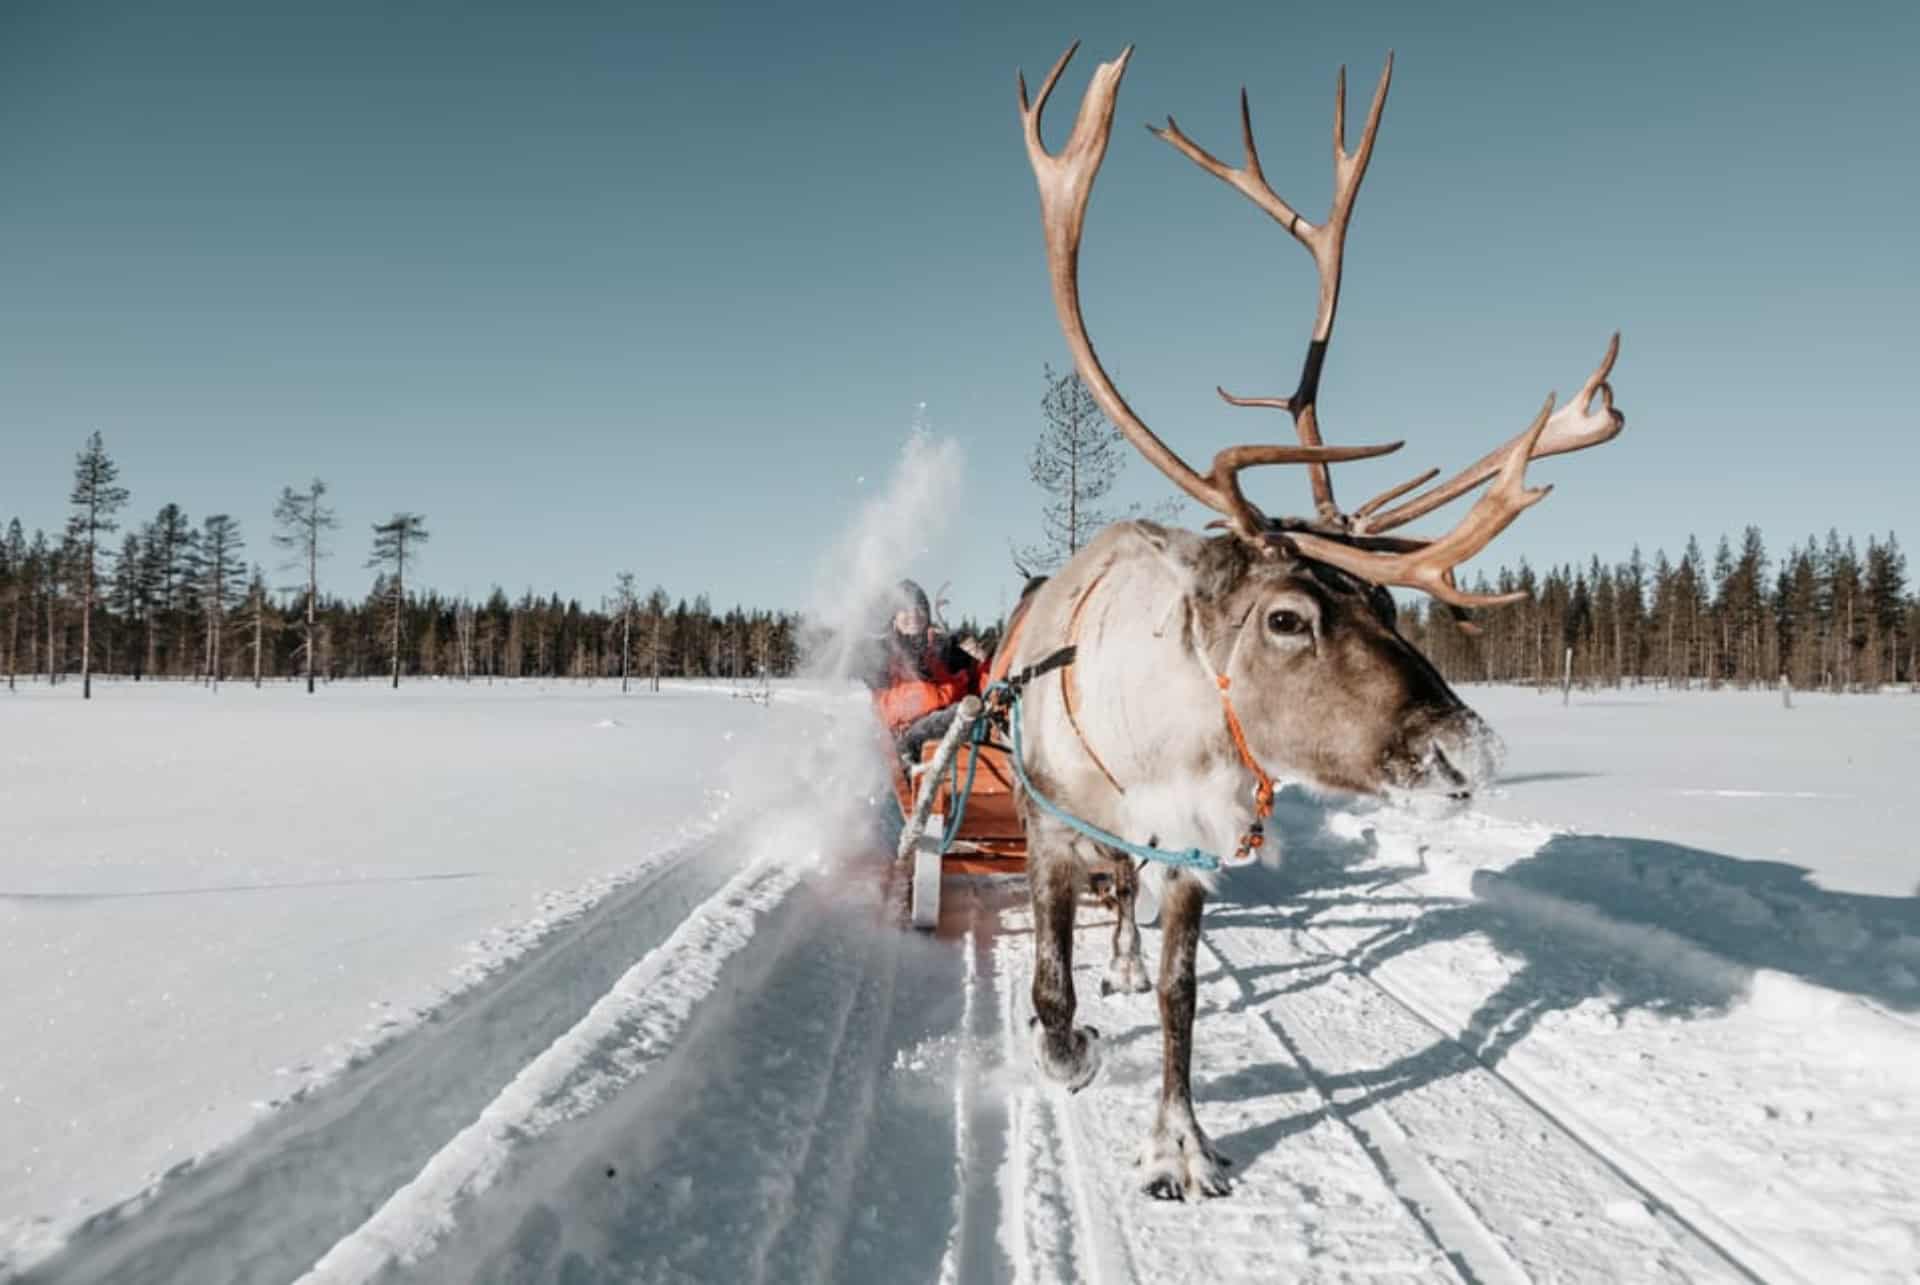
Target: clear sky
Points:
(659, 286)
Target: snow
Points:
(213, 902)
(1825, 786)
(491, 983)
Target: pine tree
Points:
(1075, 462)
(393, 542)
(96, 497)
(302, 523)
(220, 583)
(18, 591)
(1884, 591)
(127, 596)
(170, 544)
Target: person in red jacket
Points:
(918, 673)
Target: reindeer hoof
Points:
(1180, 1163)
(1126, 976)
(1073, 1061)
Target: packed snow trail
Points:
(1437, 1049)
(776, 1145)
(788, 1086)
(266, 1208)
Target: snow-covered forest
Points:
(1825, 614)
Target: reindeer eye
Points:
(1287, 622)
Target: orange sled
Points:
(989, 839)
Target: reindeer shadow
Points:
(1635, 924)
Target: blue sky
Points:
(660, 286)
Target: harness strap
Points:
(1064, 656)
(1003, 696)
(1190, 858)
(1067, 684)
(1256, 834)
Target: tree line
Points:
(174, 600)
(1826, 615)
(179, 601)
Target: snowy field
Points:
(538, 983)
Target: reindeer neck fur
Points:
(1144, 700)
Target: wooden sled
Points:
(989, 839)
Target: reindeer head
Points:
(1322, 683)
(1294, 612)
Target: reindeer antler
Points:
(1353, 542)
(1327, 243)
(1066, 181)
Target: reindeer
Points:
(1208, 666)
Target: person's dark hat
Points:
(908, 594)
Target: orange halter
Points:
(1256, 833)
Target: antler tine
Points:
(1394, 493)
(1065, 180)
(1574, 427)
(1247, 179)
(1325, 242)
(1430, 569)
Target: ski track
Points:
(268, 1206)
(1432, 1116)
(793, 1131)
(754, 1073)
(628, 1033)
(1384, 944)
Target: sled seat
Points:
(991, 838)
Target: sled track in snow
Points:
(781, 1137)
(742, 1072)
(1371, 1142)
(267, 1207)
(1662, 1201)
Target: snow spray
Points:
(899, 524)
(817, 775)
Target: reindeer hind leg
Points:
(1126, 971)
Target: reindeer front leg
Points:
(1178, 1160)
(1064, 1052)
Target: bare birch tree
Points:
(625, 600)
(463, 625)
(657, 604)
(259, 608)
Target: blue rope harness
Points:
(1189, 859)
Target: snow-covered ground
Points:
(509, 983)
